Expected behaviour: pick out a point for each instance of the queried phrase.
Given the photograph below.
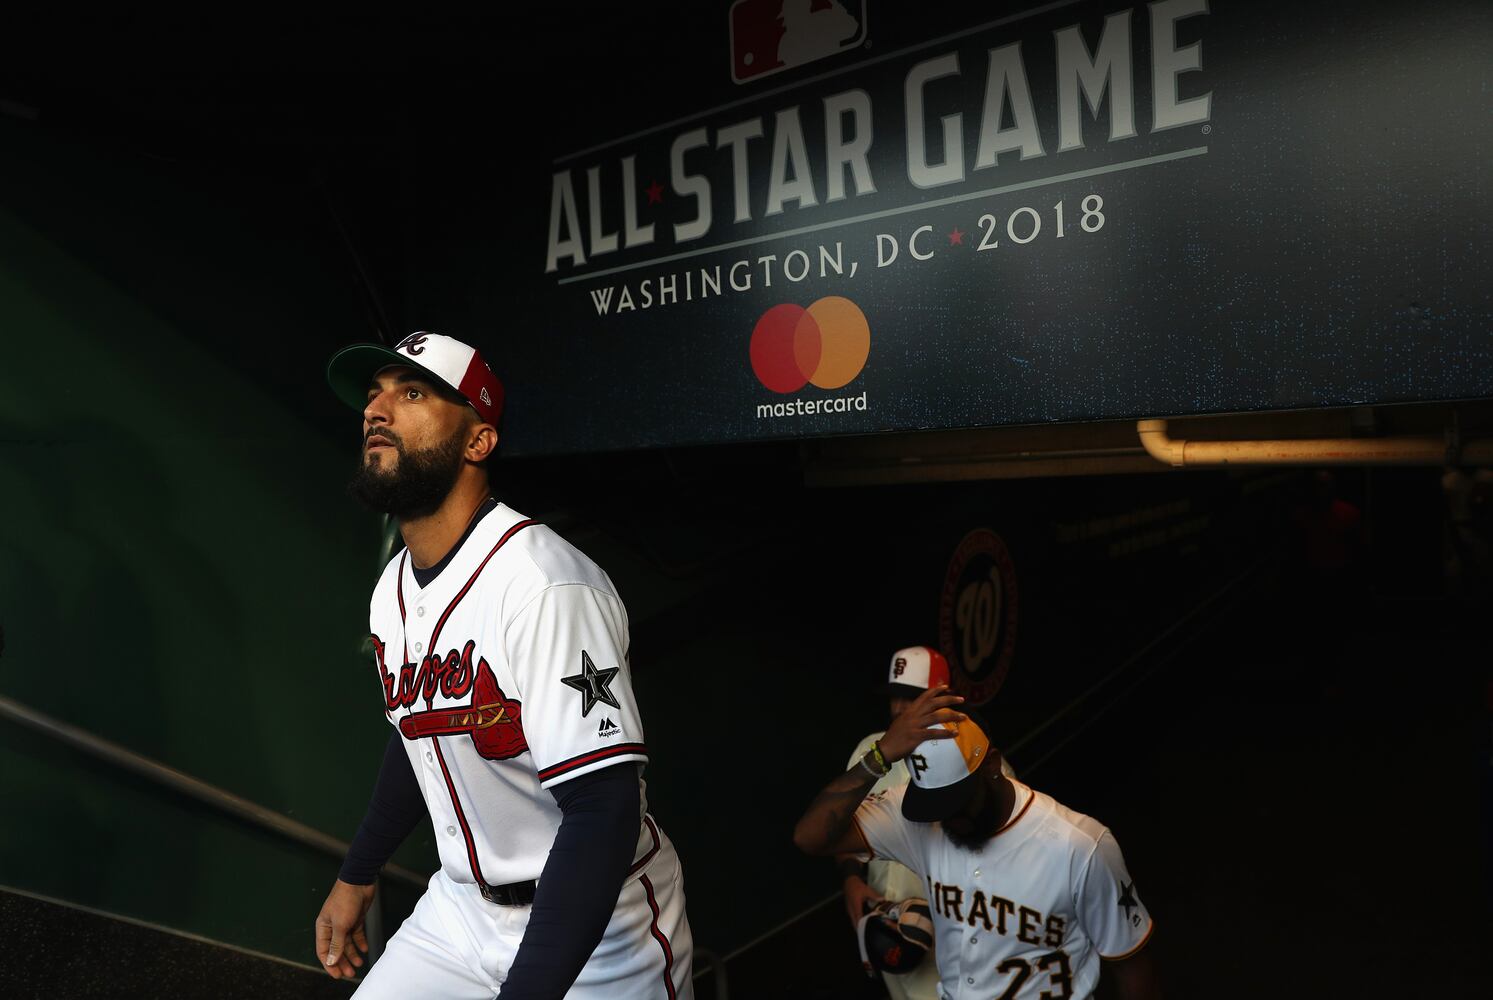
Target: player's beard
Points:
(971, 831)
(418, 483)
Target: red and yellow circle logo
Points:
(825, 345)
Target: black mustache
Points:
(389, 436)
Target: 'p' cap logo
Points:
(919, 763)
(412, 345)
(825, 345)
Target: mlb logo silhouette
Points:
(768, 36)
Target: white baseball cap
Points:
(943, 772)
(915, 670)
(447, 360)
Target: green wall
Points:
(179, 569)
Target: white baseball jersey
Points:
(508, 675)
(893, 881)
(1029, 914)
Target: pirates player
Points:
(911, 672)
(502, 664)
(1029, 898)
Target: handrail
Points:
(196, 788)
(1186, 618)
(708, 963)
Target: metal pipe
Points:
(195, 788)
(1180, 453)
(708, 963)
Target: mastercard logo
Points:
(824, 345)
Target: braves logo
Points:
(412, 345)
(451, 675)
(494, 721)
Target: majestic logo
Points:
(594, 685)
(494, 721)
(413, 344)
(899, 666)
(825, 345)
(977, 615)
(769, 36)
(607, 728)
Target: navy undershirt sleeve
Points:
(581, 881)
(394, 810)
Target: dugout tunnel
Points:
(1137, 355)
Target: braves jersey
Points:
(506, 675)
(1030, 913)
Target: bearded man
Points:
(502, 663)
(1029, 898)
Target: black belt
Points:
(512, 894)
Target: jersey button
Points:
(429, 757)
(420, 611)
(418, 647)
(977, 871)
(975, 939)
(451, 830)
(970, 980)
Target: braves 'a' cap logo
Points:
(900, 666)
(412, 345)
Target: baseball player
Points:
(501, 656)
(913, 670)
(1029, 898)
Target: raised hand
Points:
(920, 721)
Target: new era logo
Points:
(607, 728)
(486, 399)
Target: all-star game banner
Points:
(1056, 212)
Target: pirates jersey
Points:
(1028, 914)
(506, 675)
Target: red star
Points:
(655, 193)
(956, 238)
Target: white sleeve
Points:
(1108, 906)
(568, 654)
(889, 836)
